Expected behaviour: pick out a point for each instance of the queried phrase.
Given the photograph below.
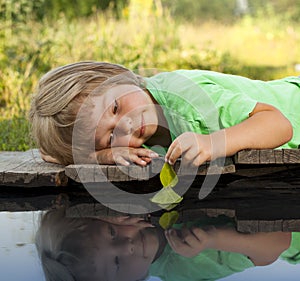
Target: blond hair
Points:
(65, 247)
(60, 94)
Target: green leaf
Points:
(168, 219)
(166, 198)
(168, 176)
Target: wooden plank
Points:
(291, 225)
(88, 173)
(248, 226)
(291, 156)
(268, 156)
(15, 199)
(247, 157)
(28, 169)
(269, 226)
(252, 226)
(103, 173)
(218, 167)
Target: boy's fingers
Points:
(146, 159)
(199, 233)
(120, 160)
(174, 240)
(137, 221)
(139, 161)
(173, 154)
(178, 244)
(189, 238)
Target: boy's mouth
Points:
(142, 128)
(143, 243)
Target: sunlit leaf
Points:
(166, 197)
(168, 176)
(168, 219)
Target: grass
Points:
(251, 41)
(260, 48)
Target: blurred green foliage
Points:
(226, 11)
(18, 10)
(144, 35)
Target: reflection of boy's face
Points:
(123, 253)
(128, 117)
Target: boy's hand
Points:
(127, 220)
(190, 242)
(192, 147)
(123, 156)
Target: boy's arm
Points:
(266, 127)
(262, 248)
(126, 220)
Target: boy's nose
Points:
(124, 125)
(126, 247)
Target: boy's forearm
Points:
(262, 248)
(264, 129)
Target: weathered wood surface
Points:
(259, 189)
(27, 169)
(268, 156)
(268, 202)
(107, 173)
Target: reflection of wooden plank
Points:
(28, 169)
(268, 226)
(260, 170)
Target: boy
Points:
(128, 249)
(102, 112)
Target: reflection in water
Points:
(19, 261)
(19, 258)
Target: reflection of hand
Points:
(190, 242)
(192, 147)
(127, 220)
(123, 156)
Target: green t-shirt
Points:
(205, 101)
(209, 265)
(292, 254)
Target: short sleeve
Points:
(292, 254)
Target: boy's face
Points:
(125, 116)
(123, 253)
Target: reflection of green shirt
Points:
(207, 266)
(204, 101)
(292, 254)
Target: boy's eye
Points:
(112, 232)
(115, 107)
(117, 262)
